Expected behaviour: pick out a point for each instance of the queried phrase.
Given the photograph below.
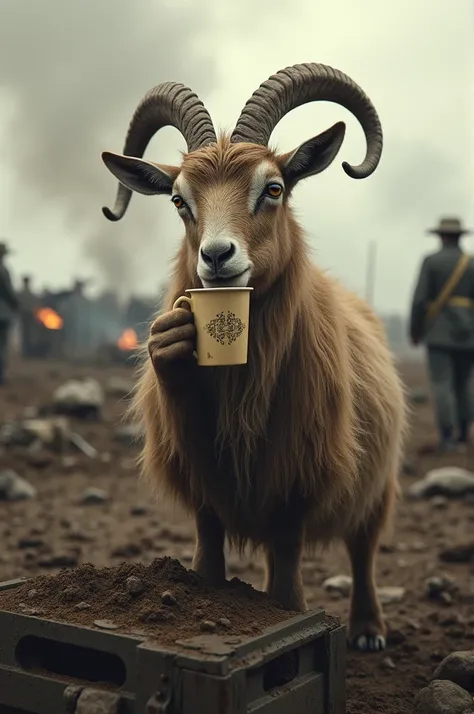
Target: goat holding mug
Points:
(302, 444)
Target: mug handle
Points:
(177, 303)
(182, 299)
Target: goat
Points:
(302, 444)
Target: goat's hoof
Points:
(369, 643)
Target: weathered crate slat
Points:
(47, 667)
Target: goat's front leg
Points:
(284, 581)
(209, 560)
(367, 629)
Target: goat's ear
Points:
(313, 156)
(139, 175)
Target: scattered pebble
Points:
(106, 624)
(93, 496)
(390, 595)
(134, 585)
(340, 584)
(224, 622)
(441, 587)
(82, 606)
(70, 462)
(15, 488)
(446, 481)
(33, 611)
(168, 598)
(79, 397)
(139, 510)
(388, 663)
(463, 553)
(208, 626)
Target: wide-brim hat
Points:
(449, 226)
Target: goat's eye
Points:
(178, 201)
(274, 190)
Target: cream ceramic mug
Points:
(221, 318)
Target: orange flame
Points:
(128, 340)
(50, 319)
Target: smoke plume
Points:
(74, 72)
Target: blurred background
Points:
(71, 75)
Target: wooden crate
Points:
(48, 667)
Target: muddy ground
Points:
(56, 528)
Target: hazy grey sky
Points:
(72, 73)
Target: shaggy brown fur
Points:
(303, 443)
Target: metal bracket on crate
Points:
(86, 700)
(159, 702)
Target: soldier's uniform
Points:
(449, 336)
(8, 309)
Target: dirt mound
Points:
(163, 600)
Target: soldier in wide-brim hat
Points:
(442, 317)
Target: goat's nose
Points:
(215, 255)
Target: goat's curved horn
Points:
(290, 88)
(167, 104)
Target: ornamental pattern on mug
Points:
(225, 328)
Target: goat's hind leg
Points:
(367, 629)
(209, 559)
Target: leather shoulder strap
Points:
(450, 284)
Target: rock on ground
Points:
(342, 584)
(458, 667)
(338, 584)
(389, 595)
(439, 585)
(462, 553)
(443, 697)
(79, 393)
(94, 495)
(446, 481)
(14, 487)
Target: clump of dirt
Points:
(163, 600)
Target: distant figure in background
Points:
(76, 311)
(106, 318)
(29, 328)
(8, 309)
(442, 317)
